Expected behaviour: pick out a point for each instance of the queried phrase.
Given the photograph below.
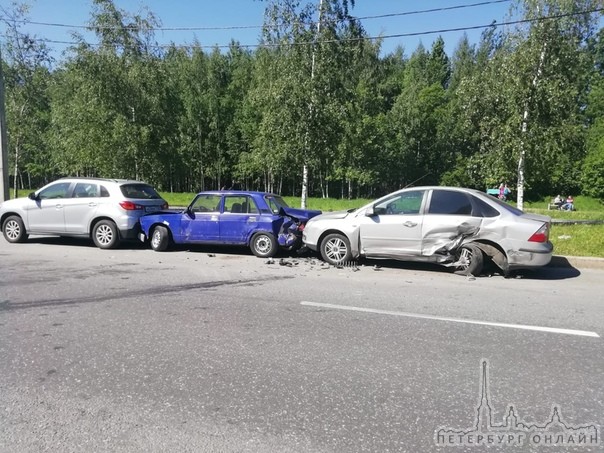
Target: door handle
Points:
(214, 217)
(91, 204)
(409, 224)
(59, 206)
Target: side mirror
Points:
(32, 196)
(370, 212)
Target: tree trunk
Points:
(16, 170)
(304, 186)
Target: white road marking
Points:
(583, 333)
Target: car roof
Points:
(114, 180)
(237, 192)
(462, 189)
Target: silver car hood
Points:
(332, 215)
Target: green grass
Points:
(578, 240)
(570, 240)
(178, 199)
(587, 208)
(327, 204)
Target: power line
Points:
(248, 27)
(366, 38)
(433, 10)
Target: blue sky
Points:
(247, 13)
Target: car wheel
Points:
(105, 235)
(335, 249)
(14, 230)
(469, 260)
(160, 238)
(263, 245)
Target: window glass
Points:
(240, 204)
(250, 206)
(275, 203)
(104, 192)
(139, 191)
(85, 190)
(404, 203)
(59, 190)
(450, 202)
(482, 209)
(206, 203)
(508, 207)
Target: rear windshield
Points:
(508, 207)
(139, 191)
(275, 202)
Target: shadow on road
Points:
(543, 273)
(80, 242)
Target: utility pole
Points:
(312, 76)
(3, 141)
(524, 130)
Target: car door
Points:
(239, 218)
(46, 214)
(80, 207)
(449, 220)
(201, 222)
(395, 227)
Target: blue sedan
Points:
(260, 220)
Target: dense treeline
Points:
(313, 98)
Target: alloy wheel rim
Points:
(465, 258)
(336, 249)
(104, 234)
(13, 230)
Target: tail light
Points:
(541, 235)
(129, 206)
(301, 227)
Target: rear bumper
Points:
(527, 258)
(131, 233)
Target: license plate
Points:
(151, 208)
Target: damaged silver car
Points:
(455, 227)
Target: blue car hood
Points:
(300, 214)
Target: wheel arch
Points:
(494, 251)
(167, 227)
(6, 215)
(99, 219)
(248, 241)
(354, 241)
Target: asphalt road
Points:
(216, 350)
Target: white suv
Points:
(107, 210)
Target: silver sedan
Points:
(451, 226)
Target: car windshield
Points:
(139, 191)
(275, 203)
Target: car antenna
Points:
(418, 179)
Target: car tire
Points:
(105, 235)
(470, 260)
(14, 229)
(335, 249)
(263, 245)
(160, 238)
